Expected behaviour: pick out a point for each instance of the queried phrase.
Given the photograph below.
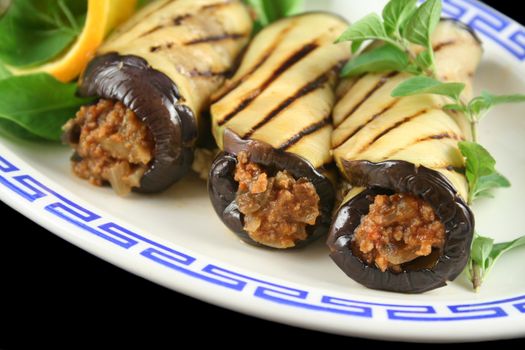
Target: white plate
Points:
(176, 240)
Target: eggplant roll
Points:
(272, 122)
(154, 78)
(405, 226)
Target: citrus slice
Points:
(102, 17)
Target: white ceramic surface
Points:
(176, 240)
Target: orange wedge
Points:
(102, 17)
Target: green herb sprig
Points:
(269, 11)
(401, 25)
(484, 254)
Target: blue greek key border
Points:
(33, 191)
(484, 20)
(500, 29)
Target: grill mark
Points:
(177, 21)
(441, 136)
(263, 59)
(216, 38)
(305, 132)
(160, 47)
(395, 126)
(379, 84)
(146, 18)
(374, 117)
(155, 48)
(152, 30)
(208, 73)
(303, 91)
(443, 45)
(289, 62)
(398, 124)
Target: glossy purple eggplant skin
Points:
(155, 99)
(222, 187)
(396, 176)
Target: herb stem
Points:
(433, 68)
(474, 129)
(476, 276)
(397, 44)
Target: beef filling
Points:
(111, 145)
(398, 229)
(277, 209)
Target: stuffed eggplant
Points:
(153, 79)
(272, 121)
(405, 226)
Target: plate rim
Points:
(21, 185)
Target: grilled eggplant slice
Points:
(154, 77)
(405, 227)
(272, 121)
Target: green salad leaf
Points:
(34, 32)
(38, 104)
(4, 72)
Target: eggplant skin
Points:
(155, 99)
(222, 187)
(403, 177)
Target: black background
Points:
(52, 291)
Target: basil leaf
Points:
(423, 22)
(369, 27)
(396, 13)
(4, 72)
(480, 170)
(426, 85)
(34, 32)
(269, 11)
(38, 103)
(381, 59)
(484, 255)
(11, 129)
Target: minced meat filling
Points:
(112, 145)
(398, 229)
(276, 209)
